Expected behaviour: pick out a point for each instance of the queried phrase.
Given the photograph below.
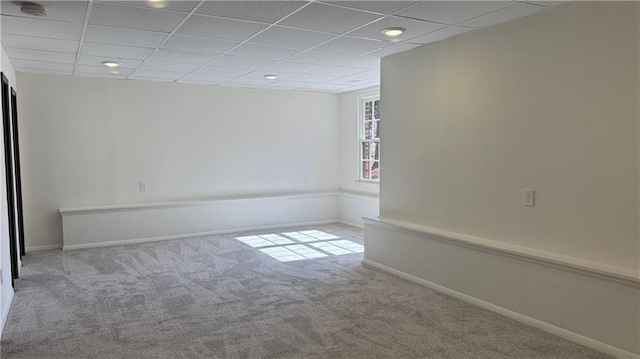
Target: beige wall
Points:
(89, 142)
(549, 102)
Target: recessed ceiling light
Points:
(33, 9)
(270, 77)
(394, 31)
(114, 72)
(111, 64)
(158, 4)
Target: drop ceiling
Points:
(332, 46)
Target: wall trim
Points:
(348, 193)
(45, 247)
(192, 203)
(191, 235)
(608, 272)
(549, 328)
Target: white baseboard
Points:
(192, 235)
(352, 224)
(563, 333)
(5, 310)
(46, 247)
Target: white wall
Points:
(549, 102)
(358, 199)
(6, 291)
(91, 141)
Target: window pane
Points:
(365, 150)
(365, 169)
(374, 151)
(367, 110)
(375, 129)
(377, 110)
(375, 170)
(367, 129)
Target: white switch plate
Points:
(528, 197)
(143, 186)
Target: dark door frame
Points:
(18, 173)
(8, 162)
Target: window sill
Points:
(368, 181)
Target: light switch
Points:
(143, 186)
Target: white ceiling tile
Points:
(326, 87)
(126, 37)
(181, 57)
(83, 69)
(241, 62)
(151, 74)
(168, 66)
(313, 78)
(290, 38)
(40, 28)
(440, 35)
(42, 71)
(262, 51)
(414, 28)
(260, 75)
(360, 87)
(69, 11)
(198, 44)
(350, 81)
(371, 75)
(291, 84)
(89, 60)
(393, 49)
(337, 71)
(124, 52)
(249, 81)
(261, 11)
(41, 55)
(104, 76)
(207, 78)
(503, 15)
(291, 67)
(323, 17)
(39, 43)
(177, 5)
(42, 65)
(351, 45)
(130, 17)
(451, 12)
(360, 61)
(218, 28)
(382, 7)
(319, 58)
(222, 71)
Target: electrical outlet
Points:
(143, 187)
(528, 197)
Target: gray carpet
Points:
(215, 297)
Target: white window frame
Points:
(361, 138)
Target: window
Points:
(369, 139)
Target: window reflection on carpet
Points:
(285, 250)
